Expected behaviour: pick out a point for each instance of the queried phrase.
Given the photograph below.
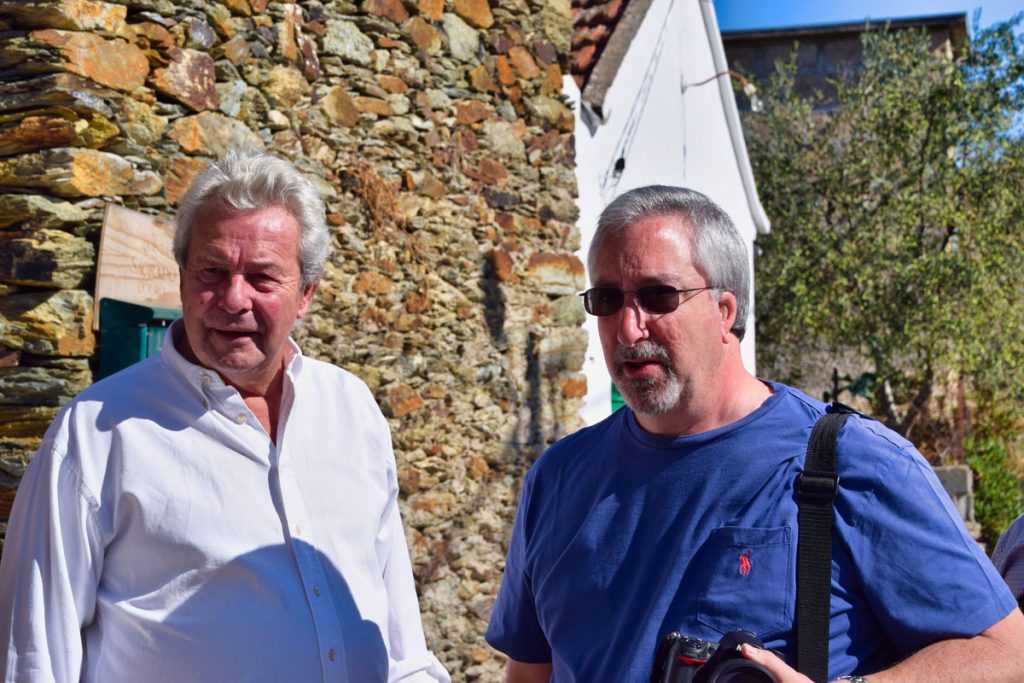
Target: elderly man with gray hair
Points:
(227, 509)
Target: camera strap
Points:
(816, 489)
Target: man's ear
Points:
(727, 309)
(307, 299)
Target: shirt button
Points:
(240, 419)
(206, 404)
(298, 530)
(316, 591)
(331, 654)
(206, 380)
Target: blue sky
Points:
(740, 15)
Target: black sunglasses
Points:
(602, 301)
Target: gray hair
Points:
(245, 180)
(719, 252)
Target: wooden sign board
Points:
(135, 262)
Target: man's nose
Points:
(632, 321)
(237, 294)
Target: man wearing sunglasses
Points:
(678, 513)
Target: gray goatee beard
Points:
(647, 395)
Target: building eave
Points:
(607, 67)
(732, 119)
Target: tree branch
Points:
(892, 420)
(924, 393)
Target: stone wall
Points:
(437, 133)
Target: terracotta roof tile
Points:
(593, 23)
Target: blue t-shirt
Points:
(622, 536)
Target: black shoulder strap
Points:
(816, 491)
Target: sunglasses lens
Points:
(658, 298)
(603, 300)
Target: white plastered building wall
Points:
(660, 127)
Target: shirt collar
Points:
(199, 377)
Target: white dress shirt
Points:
(160, 535)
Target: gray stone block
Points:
(958, 480)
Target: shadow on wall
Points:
(529, 442)
(535, 434)
(494, 305)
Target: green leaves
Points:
(997, 495)
(898, 217)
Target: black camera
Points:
(682, 659)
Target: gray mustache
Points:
(644, 350)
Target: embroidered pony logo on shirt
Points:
(745, 563)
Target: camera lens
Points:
(740, 671)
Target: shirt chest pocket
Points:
(748, 580)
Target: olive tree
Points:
(898, 223)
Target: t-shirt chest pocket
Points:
(747, 580)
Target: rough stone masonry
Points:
(438, 135)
